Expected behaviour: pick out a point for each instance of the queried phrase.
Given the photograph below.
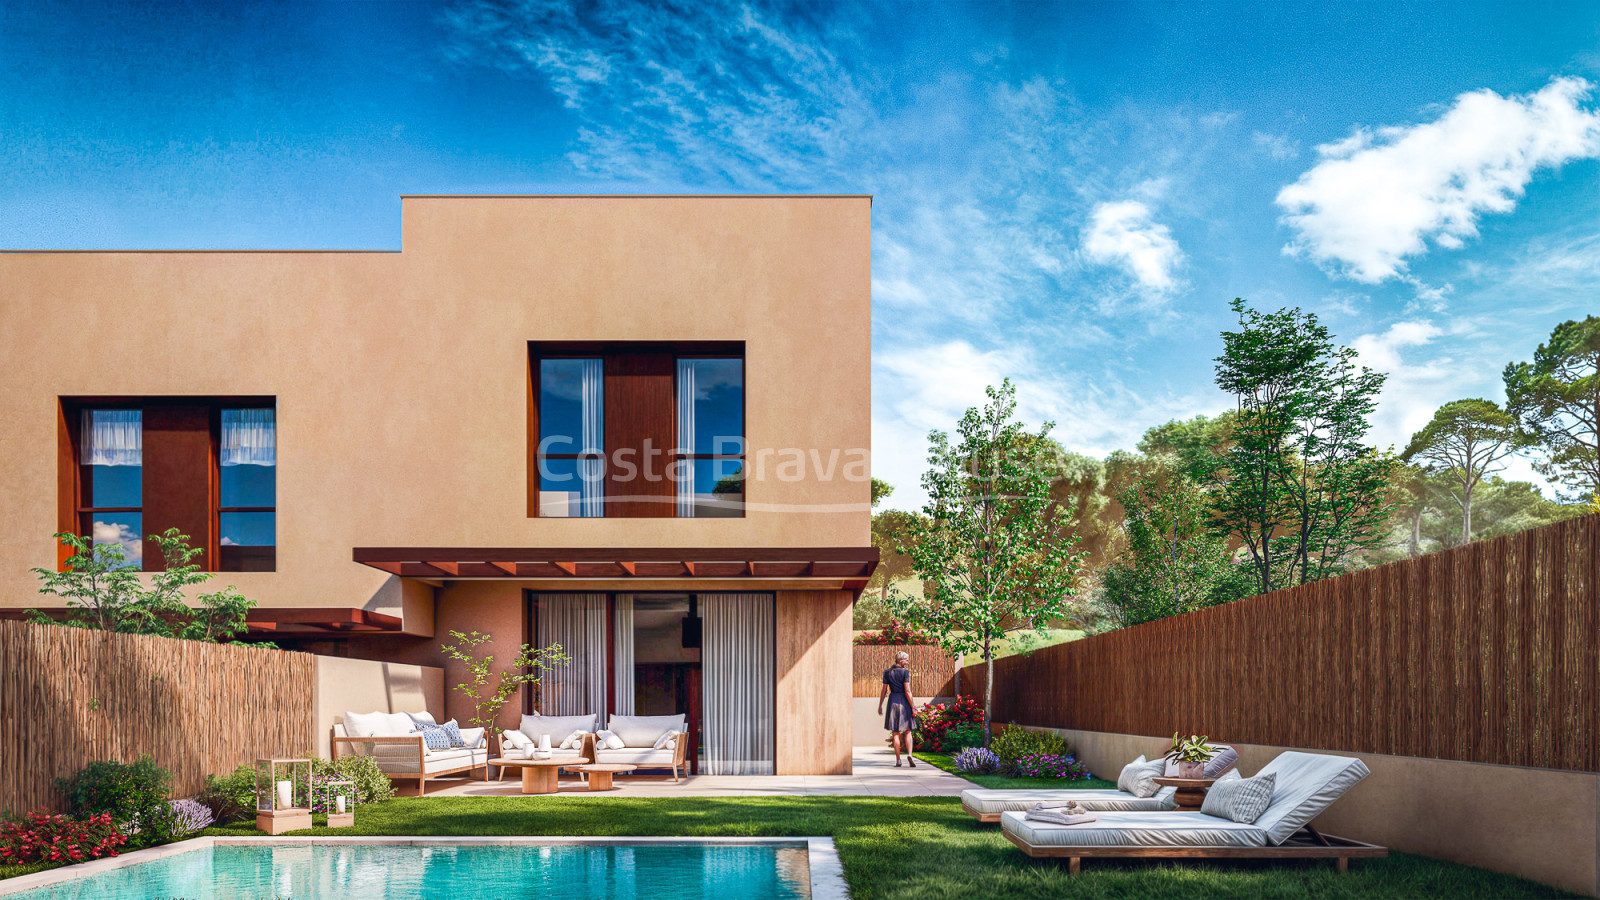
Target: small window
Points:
(247, 508)
(710, 452)
(571, 452)
(111, 479)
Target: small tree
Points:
(1465, 441)
(990, 548)
(486, 695)
(1556, 399)
(104, 591)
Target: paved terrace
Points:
(874, 776)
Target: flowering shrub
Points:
(1050, 765)
(896, 632)
(976, 761)
(189, 816)
(936, 720)
(48, 837)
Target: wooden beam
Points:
(449, 568)
(510, 568)
(630, 568)
(393, 568)
(689, 567)
(571, 568)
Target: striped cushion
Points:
(1239, 799)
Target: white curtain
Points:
(111, 437)
(591, 472)
(249, 437)
(737, 657)
(685, 468)
(578, 623)
(622, 655)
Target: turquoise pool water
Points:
(453, 872)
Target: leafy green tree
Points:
(891, 531)
(487, 691)
(1297, 485)
(880, 491)
(1556, 400)
(990, 548)
(1465, 440)
(103, 591)
(1174, 562)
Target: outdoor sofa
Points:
(1305, 785)
(402, 753)
(648, 742)
(986, 805)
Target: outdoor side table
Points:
(1191, 791)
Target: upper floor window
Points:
(111, 475)
(637, 430)
(205, 466)
(710, 446)
(247, 481)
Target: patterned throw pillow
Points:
(1239, 799)
(435, 737)
(1139, 777)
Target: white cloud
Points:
(1280, 147)
(1122, 234)
(116, 533)
(1421, 378)
(1380, 196)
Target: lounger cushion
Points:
(1305, 784)
(1138, 777)
(1239, 799)
(638, 756)
(993, 802)
(557, 727)
(642, 731)
(434, 762)
(1137, 829)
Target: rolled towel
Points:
(1056, 804)
(1057, 817)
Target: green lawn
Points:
(1000, 781)
(921, 848)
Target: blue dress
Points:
(898, 716)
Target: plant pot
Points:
(1191, 769)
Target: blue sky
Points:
(1066, 194)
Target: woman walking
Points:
(900, 720)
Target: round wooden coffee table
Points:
(539, 775)
(600, 774)
(1191, 792)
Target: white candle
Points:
(338, 804)
(285, 795)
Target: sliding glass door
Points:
(707, 657)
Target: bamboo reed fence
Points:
(69, 696)
(1488, 652)
(931, 668)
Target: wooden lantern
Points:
(283, 795)
(339, 802)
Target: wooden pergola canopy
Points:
(849, 563)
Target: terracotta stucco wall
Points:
(401, 378)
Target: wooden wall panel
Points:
(178, 476)
(639, 416)
(814, 682)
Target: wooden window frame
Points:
(538, 351)
(679, 456)
(217, 509)
(80, 522)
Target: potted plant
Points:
(1191, 754)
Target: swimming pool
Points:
(455, 868)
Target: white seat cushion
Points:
(527, 753)
(637, 756)
(1304, 785)
(1137, 829)
(990, 802)
(433, 762)
(642, 731)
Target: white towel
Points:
(1054, 817)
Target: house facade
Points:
(634, 426)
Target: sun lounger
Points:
(1306, 784)
(987, 805)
